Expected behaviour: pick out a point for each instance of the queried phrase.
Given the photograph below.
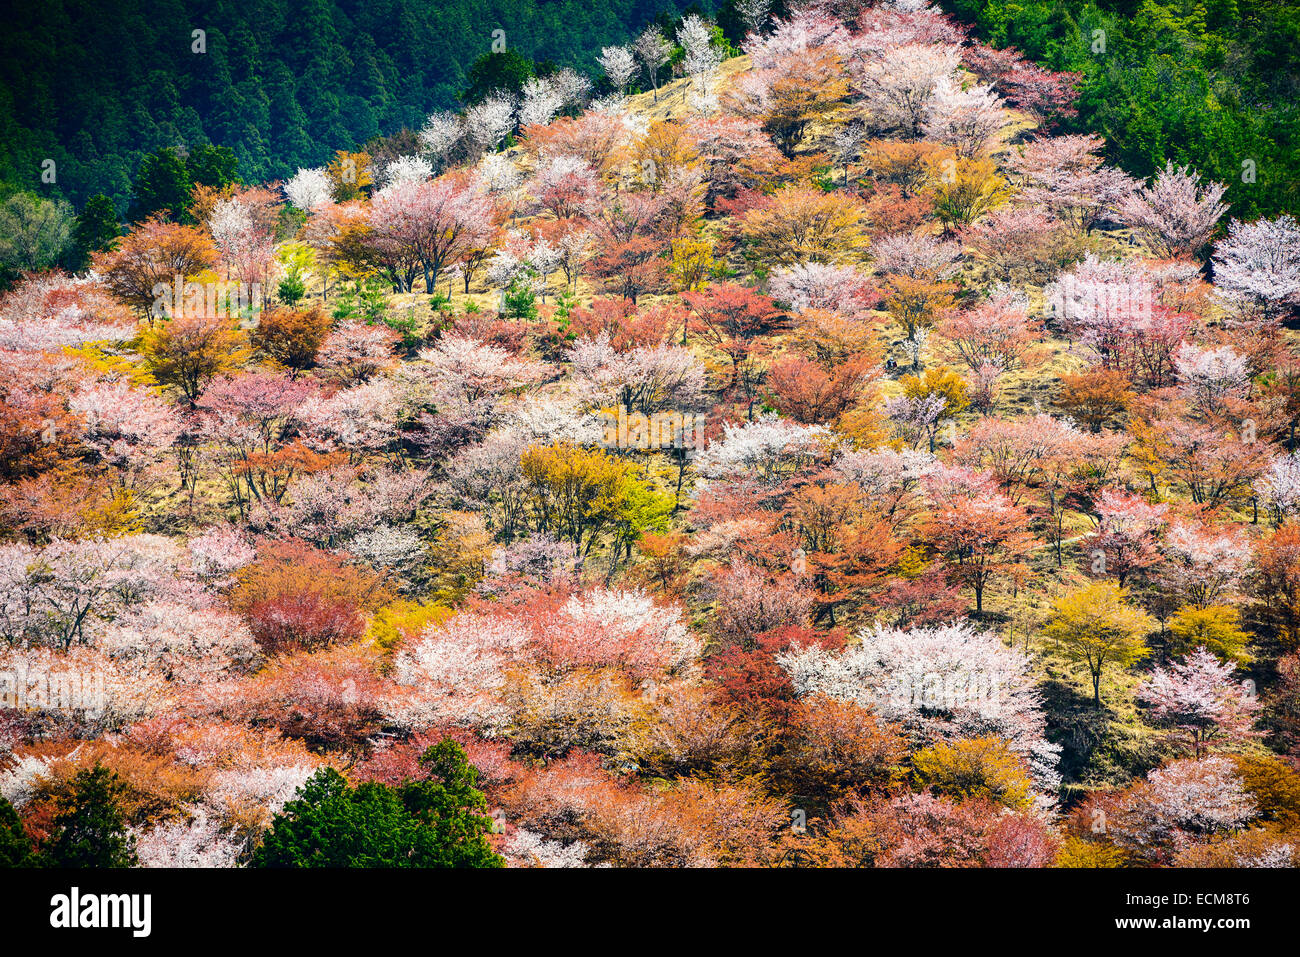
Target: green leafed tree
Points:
(89, 828)
(15, 846)
(34, 232)
(437, 821)
(96, 228)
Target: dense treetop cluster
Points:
(826, 457)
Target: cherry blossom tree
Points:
(945, 682)
(1258, 264)
(565, 186)
(754, 14)
(1199, 698)
(1205, 562)
(1019, 243)
(542, 100)
(440, 134)
(489, 122)
(51, 595)
(915, 255)
(970, 119)
(823, 286)
(1208, 377)
(1113, 308)
(1176, 213)
(360, 420)
(735, 155)
(619, 66)
(645, 379)
(768, 449)
(246, 248)
(1047, 95)
(185, 645)
(125, 426)
(896, 88)
(197, 841)
(750, 602)
(917, 418)
(471, 370)
(701, 59)
(406, 169)
(1280, 486)
(975, 521)
(219, 550)
(1066, 175)
(798, 78)
(433, 222)
(1126, 535)
(1183, 802)
(355, 351)
(997, 330)
(653, 51)
(309, 188)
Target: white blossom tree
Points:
(653, 50)
(440, 134)
(1258, 264)
(309, 188)
(767, 449)
(619, 66)
(944, 681)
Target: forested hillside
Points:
(816, 452)
(96, 85)
(1214, 84)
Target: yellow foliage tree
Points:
(665, 149)
(975, 768)
(800, 225)
(911, 164)
(403, 620)
(1215, 627)
(187, 352)
(938, 380)
(1077, 852)
(918, 303)
(350, 173)
(1096, 625)
(574, 493)
(692, 263)
(963, 190)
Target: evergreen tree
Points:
(438, 821)
(89, 829)
(96, 228)
(215, 166)
(162, 185)
(501, 72)
(15, 846)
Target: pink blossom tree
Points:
(1066, 175)
(1205, 563)
(355, 351)
(1176, 213)
(823, 286)
(1200, 699)
(431, 221)
(1126, 536)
